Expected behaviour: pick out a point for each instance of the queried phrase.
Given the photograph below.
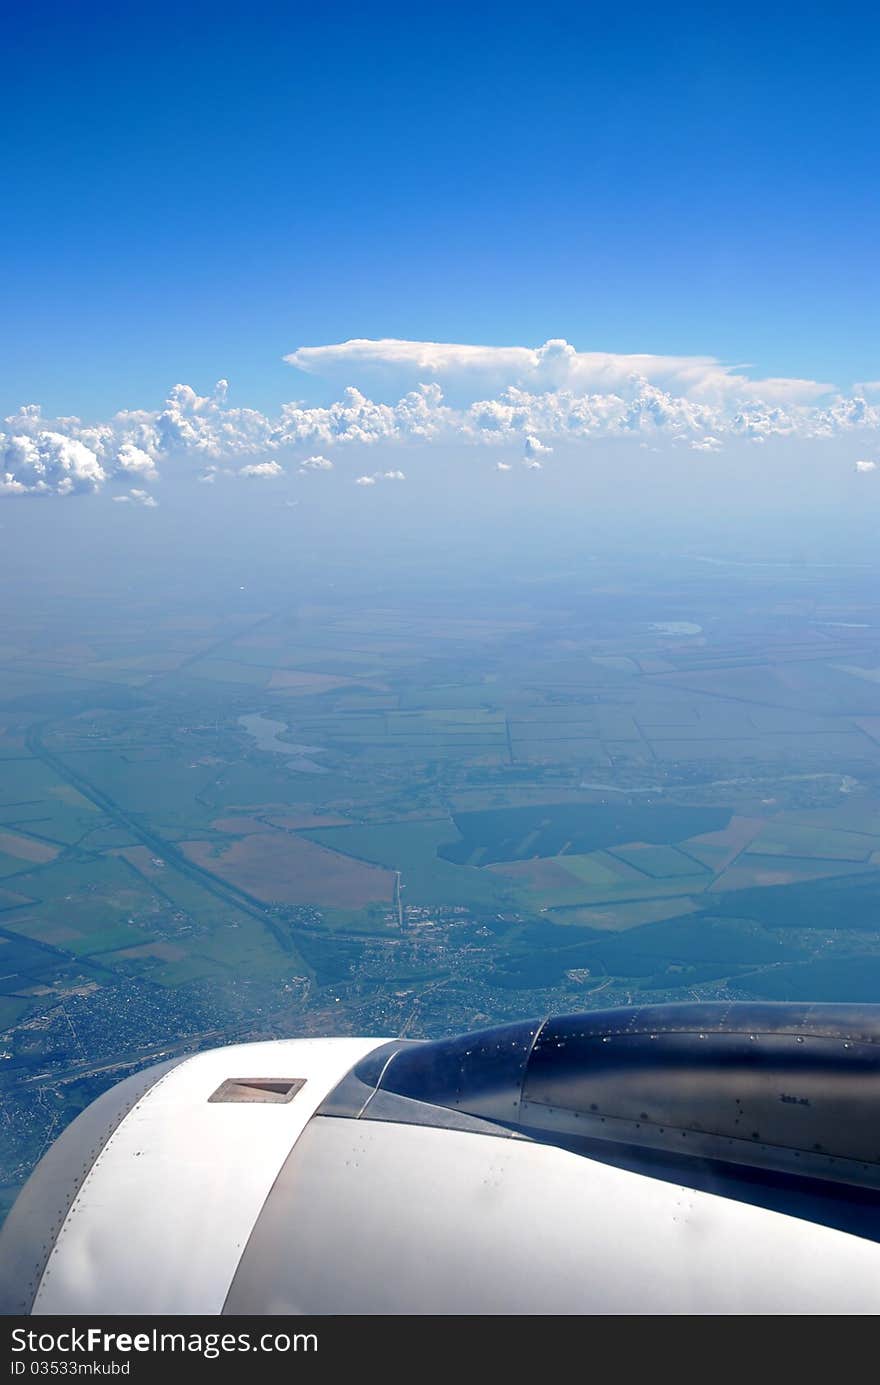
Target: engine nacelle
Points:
(667, 1159)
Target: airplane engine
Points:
(705, 1158)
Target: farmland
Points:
(355, 812)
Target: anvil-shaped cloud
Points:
(426, 394)
(471, 371)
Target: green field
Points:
(588, 804)
(660, 862)
(788, 839)
(411, 848)
(513, 834)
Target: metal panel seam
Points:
(379, 1081)
(94, 1168)
(281, 1167)
(528, 1058)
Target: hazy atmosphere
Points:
(439, 490)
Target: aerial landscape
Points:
(439, 496)
(402, 816)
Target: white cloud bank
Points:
(532, 399)
(45, 461)
(556, 365)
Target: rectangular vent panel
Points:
(258, 1089)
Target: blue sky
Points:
(194, 191)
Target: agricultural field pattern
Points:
(411, 814)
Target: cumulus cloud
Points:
(865, 466)
(137, 497)
(534, 447)
(47, 462)
(503, 466)
(529, 399)
(133, 461)
(262, 470)
(420, 416)
(380, 476)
